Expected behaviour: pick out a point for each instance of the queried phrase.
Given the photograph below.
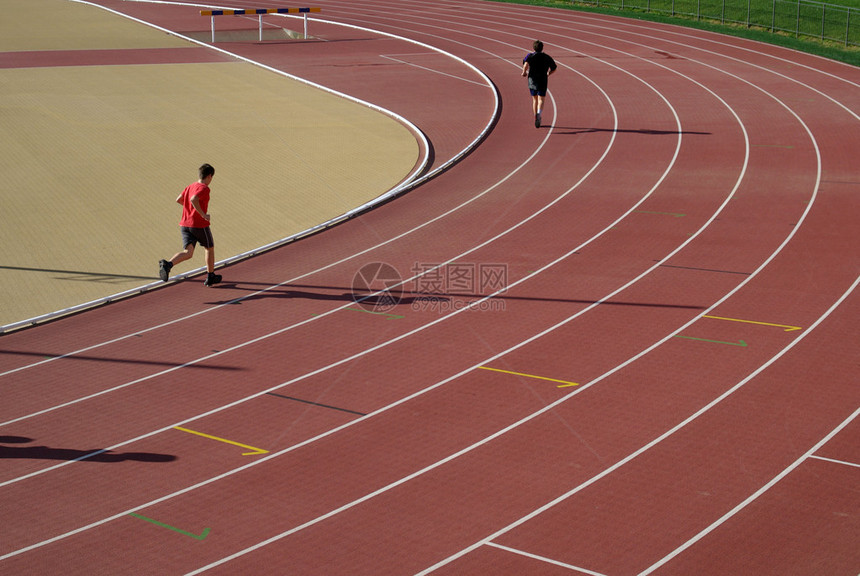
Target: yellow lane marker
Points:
(787, 328)
(255, 451)
(565, 383)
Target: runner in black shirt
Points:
(538, 67)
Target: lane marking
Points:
(787, 327)
(704, 269)
(564, 382)
(738, 343)
(200, 536)
(544, 559)
(483, 85)
(254, 451)
(752, 497)
(843, 462)
(390, 316)
(316, 404)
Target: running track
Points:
(667, 384)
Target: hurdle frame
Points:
(259, 12)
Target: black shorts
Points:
(537, 88)
(194, 235)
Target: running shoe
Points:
(212, 279)
(537, 120)
(164, 269)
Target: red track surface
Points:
(680, 242)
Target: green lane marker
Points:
(390, 316)
(740, 343)
(201, 536)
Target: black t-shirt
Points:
(539, 66)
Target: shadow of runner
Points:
(70, 454)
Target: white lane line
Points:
(434, 71)
(834, 461)
(578, 569)
(686, 545)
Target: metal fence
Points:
(800, 18)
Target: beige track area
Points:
(93, 157)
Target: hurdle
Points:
(259, 12)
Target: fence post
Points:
(847, 26)
(823, 17)
(749, 2)
(773, 17)
(797, 22)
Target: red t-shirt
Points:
(190, 217)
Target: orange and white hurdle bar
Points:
(260, 12)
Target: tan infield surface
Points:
(93, 156)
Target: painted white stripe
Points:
(754, 495)
(834, 461)
(545, 559)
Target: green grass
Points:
(812, 27)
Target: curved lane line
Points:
(716, 524)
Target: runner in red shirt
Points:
(194, 226)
